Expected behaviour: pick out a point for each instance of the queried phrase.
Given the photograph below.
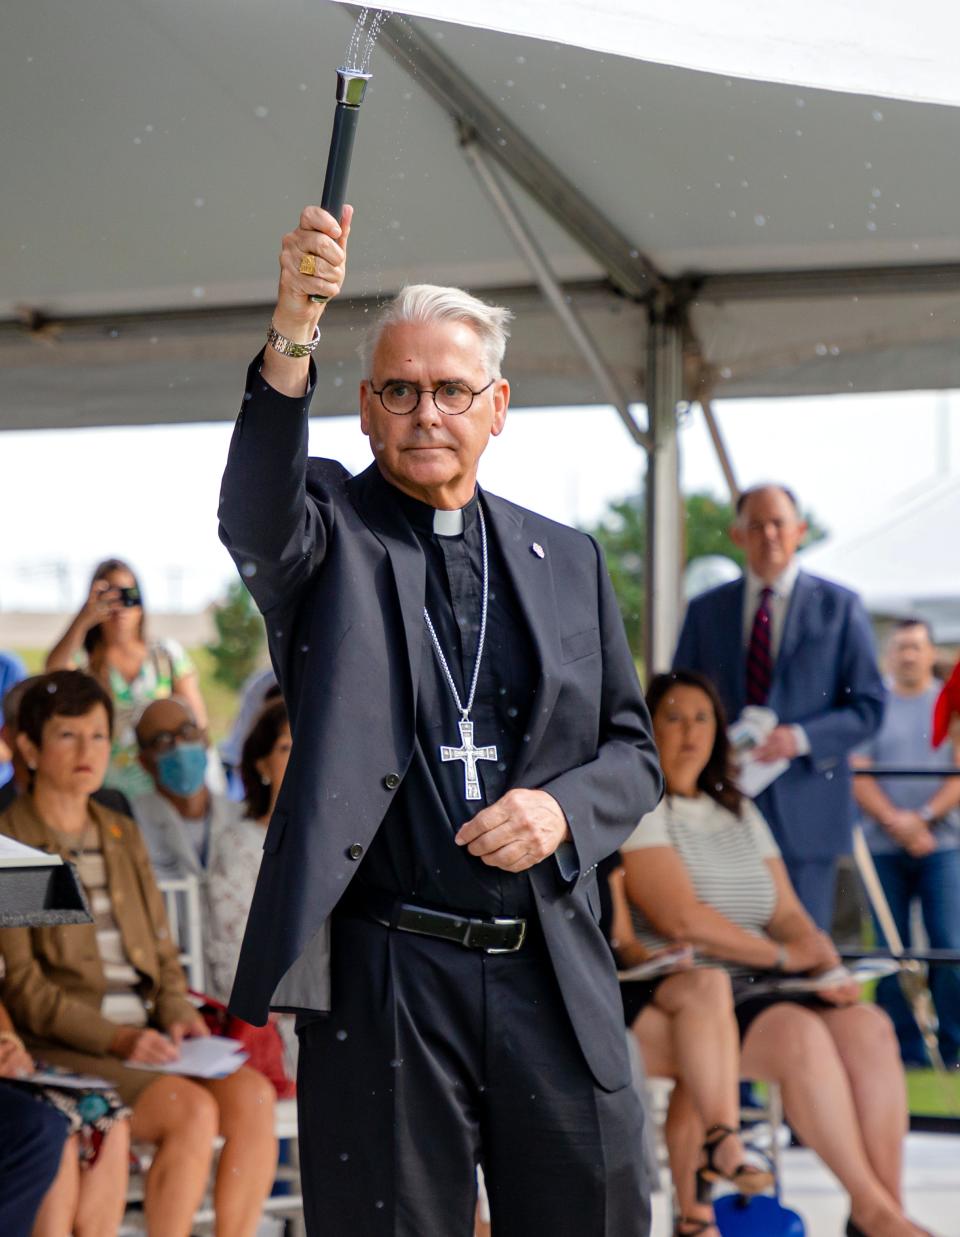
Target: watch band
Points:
(926, 815)
(288, 347)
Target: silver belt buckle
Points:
(510, 949)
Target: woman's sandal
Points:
(688, 1227)
(747, 1178)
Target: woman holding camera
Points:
(108, 639)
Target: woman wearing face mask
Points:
(109, 997)
(108, 638)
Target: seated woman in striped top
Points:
(703, 868)
(109, 998)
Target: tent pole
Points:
(551, 288)
(664, 501)
(720, 447)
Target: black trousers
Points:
(437, 1058)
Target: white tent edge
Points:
(822, 44)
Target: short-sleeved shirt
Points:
(904, 739)
(166, 662)
(725, 856)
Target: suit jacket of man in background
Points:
(341, 585)
(825, 679)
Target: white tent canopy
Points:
(828, 44)
(806, 240)
(903, 565)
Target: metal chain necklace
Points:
(466, 751)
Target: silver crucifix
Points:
(469, 755)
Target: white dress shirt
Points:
(782, 590)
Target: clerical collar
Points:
(428, 520)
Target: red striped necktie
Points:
(760, 652)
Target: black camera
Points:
(129, 596)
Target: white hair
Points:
(427, 302)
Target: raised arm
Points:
(275, 533)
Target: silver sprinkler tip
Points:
(351, 84)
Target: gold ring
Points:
(308, 264)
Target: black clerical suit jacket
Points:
(339, 577)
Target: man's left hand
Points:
(517, 831)
(780, 744)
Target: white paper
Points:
(212, 1056)
(663, 964)
(753, 727)
(859, 973)
(15, 855)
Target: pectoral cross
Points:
(469, 755)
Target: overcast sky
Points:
(149, 494)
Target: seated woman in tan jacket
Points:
(107, 997)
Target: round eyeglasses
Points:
(451, 398)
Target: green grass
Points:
(931, 1095)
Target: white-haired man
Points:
(469, 740)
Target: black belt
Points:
(493, 936)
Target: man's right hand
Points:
(143, 1046)
(295, 315)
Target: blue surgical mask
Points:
(181, 770)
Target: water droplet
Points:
(379, 1204)
(260, 112)
(871, 225)
(875, 192)
(138, 141)
(249, 570)
(726, 372)
(198, 293)
(148, 128)
(798, 102)
(760, 220)
(521, 59)
(877, 114)
(344, 1156)
(821, 350)
(396, 1062)
(199, 201)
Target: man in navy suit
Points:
(803, 647)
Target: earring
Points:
(264, 780)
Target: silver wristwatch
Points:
(926, 815)
(287, 347)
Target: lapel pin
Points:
(537, 549)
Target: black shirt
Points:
(413, 855)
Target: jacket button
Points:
(392, 781)
(355, 851)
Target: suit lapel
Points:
(406, 559)
(732, 621)
(532, 578)
(797, 624)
